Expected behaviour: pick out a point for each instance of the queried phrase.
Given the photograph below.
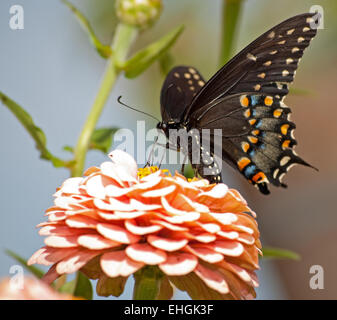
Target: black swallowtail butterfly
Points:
(244, 99)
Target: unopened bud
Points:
(140, 13)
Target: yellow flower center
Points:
(143, 172)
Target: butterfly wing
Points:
(245, 100)
(179, 88)
(271, 59)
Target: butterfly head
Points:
(171, 124)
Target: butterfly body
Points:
(239, 115)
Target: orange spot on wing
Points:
(244, 101)
(260, 176)
(242, 163)
(268, 101)
(252, 121)
(247, 113)
(284, 129)
(253, 139)
(256, 132)
(277, 113)
(285, 144)
(245, 146)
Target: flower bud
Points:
(139, 13)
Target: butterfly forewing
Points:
(271, 58)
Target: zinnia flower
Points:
(118, 220)
(31, 289)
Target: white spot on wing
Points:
(251, 56)
(289, 60)
(271, 35)
(284, 160)
(285, 73)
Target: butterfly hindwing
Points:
(179, 88)
(257, 136)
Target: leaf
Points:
(79, 287)
(277, 253)
(69, 149)
(83, 287)
(35, 132)
(104, 50)
(230, 17)
(166, 62)
(189, 172)
(145, 57)
(101, 139)
(34, 270)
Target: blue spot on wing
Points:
(249, 170)
(254, 100)
(258, 124)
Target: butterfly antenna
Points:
(134, 109)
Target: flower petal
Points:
(81, 221)
(169, 226)
(117, 263)
(61, 241)
(76, 261)
(212, 279)
(178, 264)
(206, 254)
(143, 252)
(132, 226)
(95, 186)
(166, 243)
(228, 248)
(71, 185)
(123, 160)
(116, 233)
(96, 242)
(159, 192)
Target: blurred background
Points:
(52, 71)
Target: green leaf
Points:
(166, 62)
(104, 50)
(145, 57)
(35, 132)
(189, 172)
(69, 149)
(79, 287)
(34, 270)
(101, 139)
(230, 18)
(277, 253)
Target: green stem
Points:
(124, 37)
(147, 283)
(230, 17)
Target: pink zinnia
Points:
(116, 220)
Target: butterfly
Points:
(244, 102)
